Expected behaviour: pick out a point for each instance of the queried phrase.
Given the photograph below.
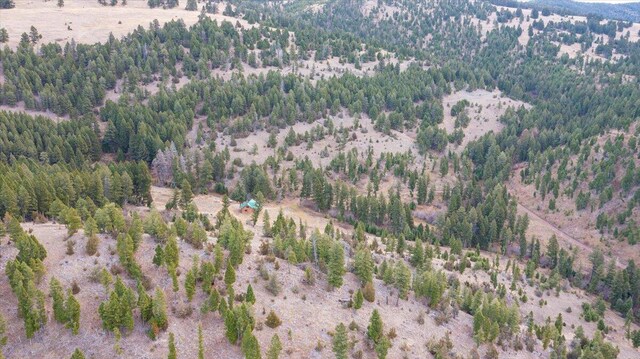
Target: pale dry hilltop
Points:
(89, 22)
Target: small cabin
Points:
(249, 206)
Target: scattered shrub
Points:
(273, 321)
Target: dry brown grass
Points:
(89, 21)
(308, 313)
(484, 110)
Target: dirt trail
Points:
(210, 204)
(562, 235)
(535, 221)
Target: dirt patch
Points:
(312, 69)
(590, 54)
(633, 31)
(323, 151)
(19, 108)
(382, 11)
(316, 8)
(484, 110)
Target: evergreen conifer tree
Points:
(340, 342)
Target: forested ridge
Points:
(229, 112)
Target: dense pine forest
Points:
(367, 179)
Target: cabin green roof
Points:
(252, 203)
